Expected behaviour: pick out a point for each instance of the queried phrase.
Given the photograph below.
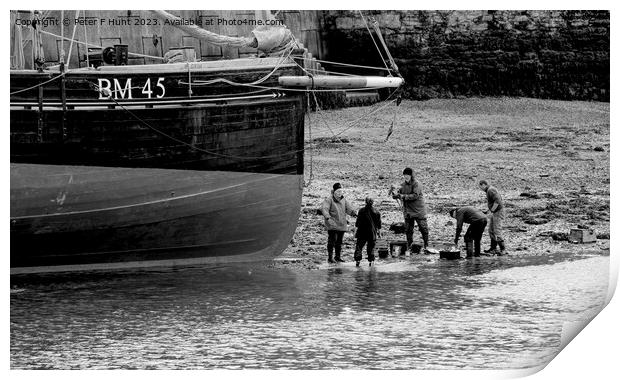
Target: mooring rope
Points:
(164, 134)
(38, 85)
(351, 124)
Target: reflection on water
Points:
(488, 313)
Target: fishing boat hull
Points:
(170, 165)
(81, 217)
(217, 127)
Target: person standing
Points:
(368, 225)
(496, 217)
(414, 208)
(335, 209)
(477, 223)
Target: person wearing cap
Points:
(368, 225)
(335, 209)
(477, 223)
(414, 208)
(496, 216)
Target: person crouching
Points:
(477, 223)
(368, 225)
(335, 209)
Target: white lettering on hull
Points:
(125, 91)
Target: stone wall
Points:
(542, 54)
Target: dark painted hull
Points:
(220, 127)
(203, 174)
(69, 218)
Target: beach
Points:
(549, 159)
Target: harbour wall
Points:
(541, 54)
(544, 54)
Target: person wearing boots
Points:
(414, 208)
(477, 223)
(335, 209)
(368, 225)
(496, 217)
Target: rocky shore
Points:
(549, 159)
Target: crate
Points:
(580, 235)
(450, 255)
(382, 248)
(397, 243)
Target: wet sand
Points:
(549, 159)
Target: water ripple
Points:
(425, 315)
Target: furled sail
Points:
(266, 39)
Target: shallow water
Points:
(419, 313)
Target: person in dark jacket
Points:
(496, 217)
(414, 208)
(477, 223)
(368, 225)
(335, 209)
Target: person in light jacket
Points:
(335, 209)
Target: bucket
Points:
(416, 248)
(450, 255)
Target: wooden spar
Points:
(328, 81)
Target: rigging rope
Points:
(375, 25)
(310, 139)
(101, 47)
(292, 152)
(38, 85)
(223, 80)
(256, 82)
(164, 134)
(324, 122)
(86, 39)
(351, 124)
(346, 64)
(62, 34)
(373, 40)
(77, 14)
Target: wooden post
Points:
(63, 98)
(40, 120)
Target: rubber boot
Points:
(338, 258)
(493, 247)
(477, 248)
(371, 259)
(469, 247)
(357, 256)
(409, 244)
(502, 248)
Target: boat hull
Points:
(67, 217)
(154, 165)
(153, 117)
